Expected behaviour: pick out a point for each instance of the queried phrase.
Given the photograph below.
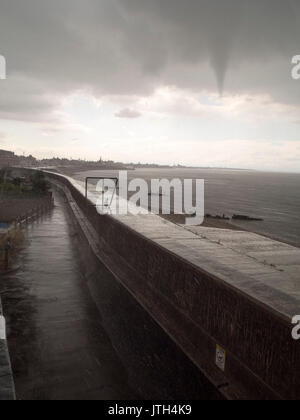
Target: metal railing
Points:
(26, 218)
(116, 182)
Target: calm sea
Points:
(275, 197)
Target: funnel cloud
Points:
(133, 53)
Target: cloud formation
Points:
(128, 114)
(133, 46)
(149, 58)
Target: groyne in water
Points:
(228, 313)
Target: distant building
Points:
(7, 159)
(28, 161)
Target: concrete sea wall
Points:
(157, 369)
(198, 311)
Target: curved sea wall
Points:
(239, 342)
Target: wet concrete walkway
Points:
(58, 347)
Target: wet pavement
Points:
(58, 346)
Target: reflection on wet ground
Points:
(58, 347)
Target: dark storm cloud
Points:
(133, 46)
(27, 100)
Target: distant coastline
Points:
(71, 166)
(71, 170)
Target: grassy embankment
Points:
(15, 236)
(17, 199)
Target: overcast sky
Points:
(196, 82)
